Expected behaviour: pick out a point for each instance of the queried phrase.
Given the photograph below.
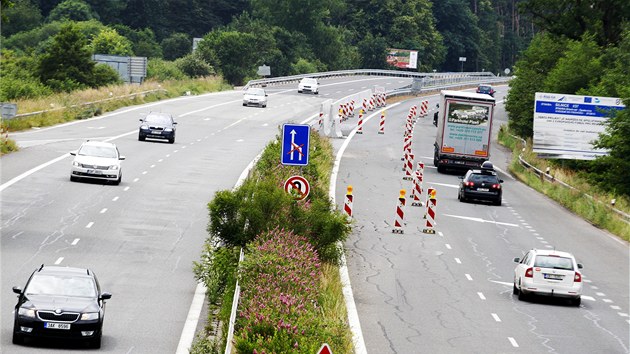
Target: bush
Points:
(105, 75)
(20, 88)
(162, 70)
(194, 66)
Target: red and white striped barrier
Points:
(406, 146)
(417, 191)
(430, 215)
(352, 108)
(347, 207)
(408, 167)
(321, 120)
(365, 105)
(400, 214)
(424, 108)
(381, 124)
(360, 123)
(371, 103)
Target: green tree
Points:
(108, 41)
(373, 51)
(67, 63)
(109, 11)
(230, 53)
(22, 16)
(176, 46)
(193, 65)
(74, 10)
(531, 70)
(462, 36)
(144, 43)
(18, 79)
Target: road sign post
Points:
(295, 144)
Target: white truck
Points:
(464, 124)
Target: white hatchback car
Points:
(255, 96)
(97, 160)
(308, 84)
(548, 273)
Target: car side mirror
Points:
(73, 153)
(175, 123)
(517, 260)
(140, 119)
(437, 105)
(580, 266)
(500, 181)
(106, 296)
(17, 290)
(121, 157)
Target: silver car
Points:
(308, 84)
(548, 273)
(97, 160)
(255, 97)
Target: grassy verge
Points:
(61, 108)
(585, 200)
(292, 299)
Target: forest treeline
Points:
(290, 36)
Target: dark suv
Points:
(157, 125)
(60, 302)
(487, 89)
(481, 184)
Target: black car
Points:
(157, 126)
(60, 302)
(487, 89)
(481, 184)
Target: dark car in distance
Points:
(157, 125)
(60, 302)
(487, 89)
(481, 184)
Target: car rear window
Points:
(553, 262)
(485, 88)
(482, 178)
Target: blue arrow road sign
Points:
(295, 138)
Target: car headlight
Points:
(24, 312)
(114, 167)
(144, 127)
(76, 164)
(89, 316)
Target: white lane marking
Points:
(540, 238)
(126, 188)
(608, 301)
(152, 166)
(615, 307)
(168, 155)
(30, 172)
(189, 330)
(481, 220)
(458, 261)
(441, 233)
(76, 240)
(502, 282)
(183, 147)
(448, 246)
(496, 317)
(622, 314)
(136, 179)
(600, 294)
(240, 140)
(89, 225)
(590, 298)
(513, 341)
(468, 277)
(544, 242)
(59, 260)
(160, 160)
(481, 296)
(431, 184)
(115, 199)
(548, 246)
(103, 211)
(144, 172)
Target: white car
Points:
(548, 273)
(97, 160)
(255, 97)
(308, 84)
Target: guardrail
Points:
(86, 103)
(370, 72)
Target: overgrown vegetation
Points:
(302, 306)
(586, 200)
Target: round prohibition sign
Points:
(297, 186)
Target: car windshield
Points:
(256, 92)
(98, 151)
(482, 178)
(553, 262)
(309, 81)
(46, 284)
(157, 119)
(485, 88)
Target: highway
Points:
(451, 292)
(141, 237)
(415, 293)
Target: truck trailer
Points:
(464, 125)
